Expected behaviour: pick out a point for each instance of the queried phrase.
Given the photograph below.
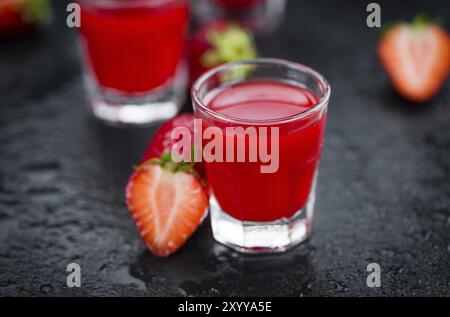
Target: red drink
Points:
(134, 47)
(241, 189)
(270, 115)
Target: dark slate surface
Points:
(384, 186)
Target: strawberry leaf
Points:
(231, 44)
(419, 22)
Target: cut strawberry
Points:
(217, 43)
(416, 57)
(167, 200)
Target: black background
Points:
(383, 194)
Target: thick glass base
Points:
(261, 237)
(121, 109)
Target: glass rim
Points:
(323, 100)
(125, 4)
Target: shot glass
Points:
(132, 53)
(271, 115)
(262, 16)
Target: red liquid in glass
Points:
(241, 189)
(134, 48)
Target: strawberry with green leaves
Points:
(167, 200)
(416, 56)
(18, 17)
(217, 43)
(238, 4)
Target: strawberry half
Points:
(167, 200)
(162, 142)
(416, 57)
(217, 43)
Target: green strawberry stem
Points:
(166, 161)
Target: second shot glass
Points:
(133, 57)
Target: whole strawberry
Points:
(416, 56)
(217, 43)
(19, 17)
(167, 200)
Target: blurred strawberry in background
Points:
(260, 16)
(217, 43)
(416, 57)
(19, 17)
